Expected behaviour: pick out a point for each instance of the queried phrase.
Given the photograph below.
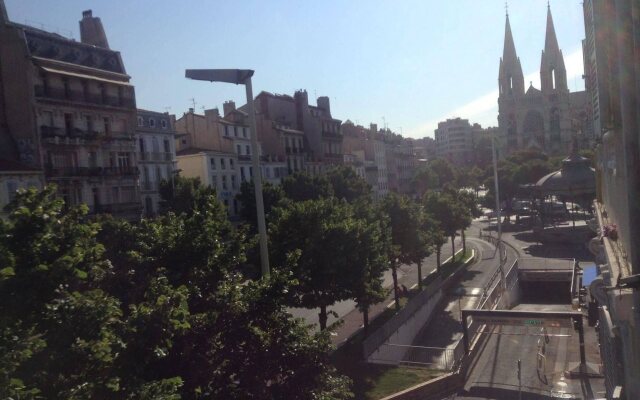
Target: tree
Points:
(168, 316)
(181, 195)
(319, 239)
(347, 185)
(469, 210)
(60, 333)
(405, 234)
(444, 172)
(272, 196)
(424, 179)
(374, 252)
(445, 208)
(302, 186)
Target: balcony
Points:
(79, 97)
(329, 134)
(70, 172)
(119, 208)
(149, 186)
(156, 156)
(244, 157)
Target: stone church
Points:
(544, 119)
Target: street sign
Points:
(522, 321)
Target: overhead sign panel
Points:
(524, 321)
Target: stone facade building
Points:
(155, 139)
(69, 110)
(612, 47)
(545, 118)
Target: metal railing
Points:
(420, 300)
(440, 358)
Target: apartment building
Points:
(81, 128)
(155, 140)
(369, 148)
(613, 84)
(454, 141)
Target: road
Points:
(445, 329)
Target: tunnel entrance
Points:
(545, 292)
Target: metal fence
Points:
(444, 359)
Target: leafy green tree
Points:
(406, 235)
(424, 179)
(374, 258)
(167, 317)
(445, 208)
(320, 239)
(181, 195)
(444, 172)
(60, 333)
(272, 196)
(302, 186)
(347, 185)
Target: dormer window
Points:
(163, 123)
(140, 121)
(152, 123)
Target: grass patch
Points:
(374, 381)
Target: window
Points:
(226, 130)
(231, 164)
(140, 121)
(248, 148)
(67, 88)
(224, 182)
(107, 125)
(223, 165)
(152, 123)
(68, 124)
(244, 132)
(163, 123)
(242, 177)
(103, 93)
(267, 172)
(213, 163)
(93, 159)
(11, 190)
(239, 149)
(123, 160)
(233, 182)
(120, 96)
(89, 123)
(167, 146)
(214, 181)
(85, 90)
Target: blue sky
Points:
(411, 62)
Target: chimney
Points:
(228, 107)
(301, 97)
(323, 103)
(190, 110)
(373, 128)
(212, 113)
(91, 30)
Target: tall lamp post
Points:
(243, 76)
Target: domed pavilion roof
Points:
(575, 178)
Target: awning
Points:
(84, 76)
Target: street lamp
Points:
(243, 76)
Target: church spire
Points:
(550, 40)
(509, 49)
(511, 79)
(553, 75)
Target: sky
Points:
(406, 64)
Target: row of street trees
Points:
(163, 308)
